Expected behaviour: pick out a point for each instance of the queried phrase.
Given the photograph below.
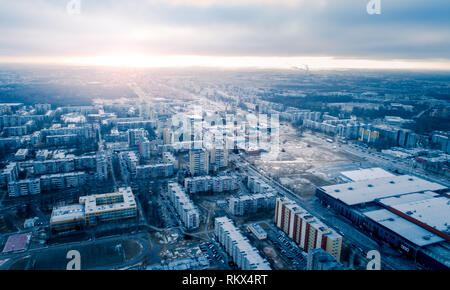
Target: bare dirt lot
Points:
(302, 161)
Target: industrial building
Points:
(408, 212)
(365, 174)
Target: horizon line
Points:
(258, 62)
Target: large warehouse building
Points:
(408, 212)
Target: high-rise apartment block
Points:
(199, 161)
(185, 208)
(306, 230)
(244, 255)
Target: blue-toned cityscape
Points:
(224, 135)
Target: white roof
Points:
(368, 190)
(90, 201)
(434, 212)
(67, 213)
(404, 228)
(365, 174)
(390, 201)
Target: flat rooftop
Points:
(434, 212)
(67, 213)
(366, 191)
(257, 228)
(90, 201)
(404, 228)
(366, 174)
(399, 199)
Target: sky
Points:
(411, 34)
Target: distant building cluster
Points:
(387, 132)
(244, 255)
(123, 125)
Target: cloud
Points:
(405, 29)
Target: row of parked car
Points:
(288, 248)
(214, 257)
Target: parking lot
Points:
(217, 258)
(288, 249)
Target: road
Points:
(404, 166)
